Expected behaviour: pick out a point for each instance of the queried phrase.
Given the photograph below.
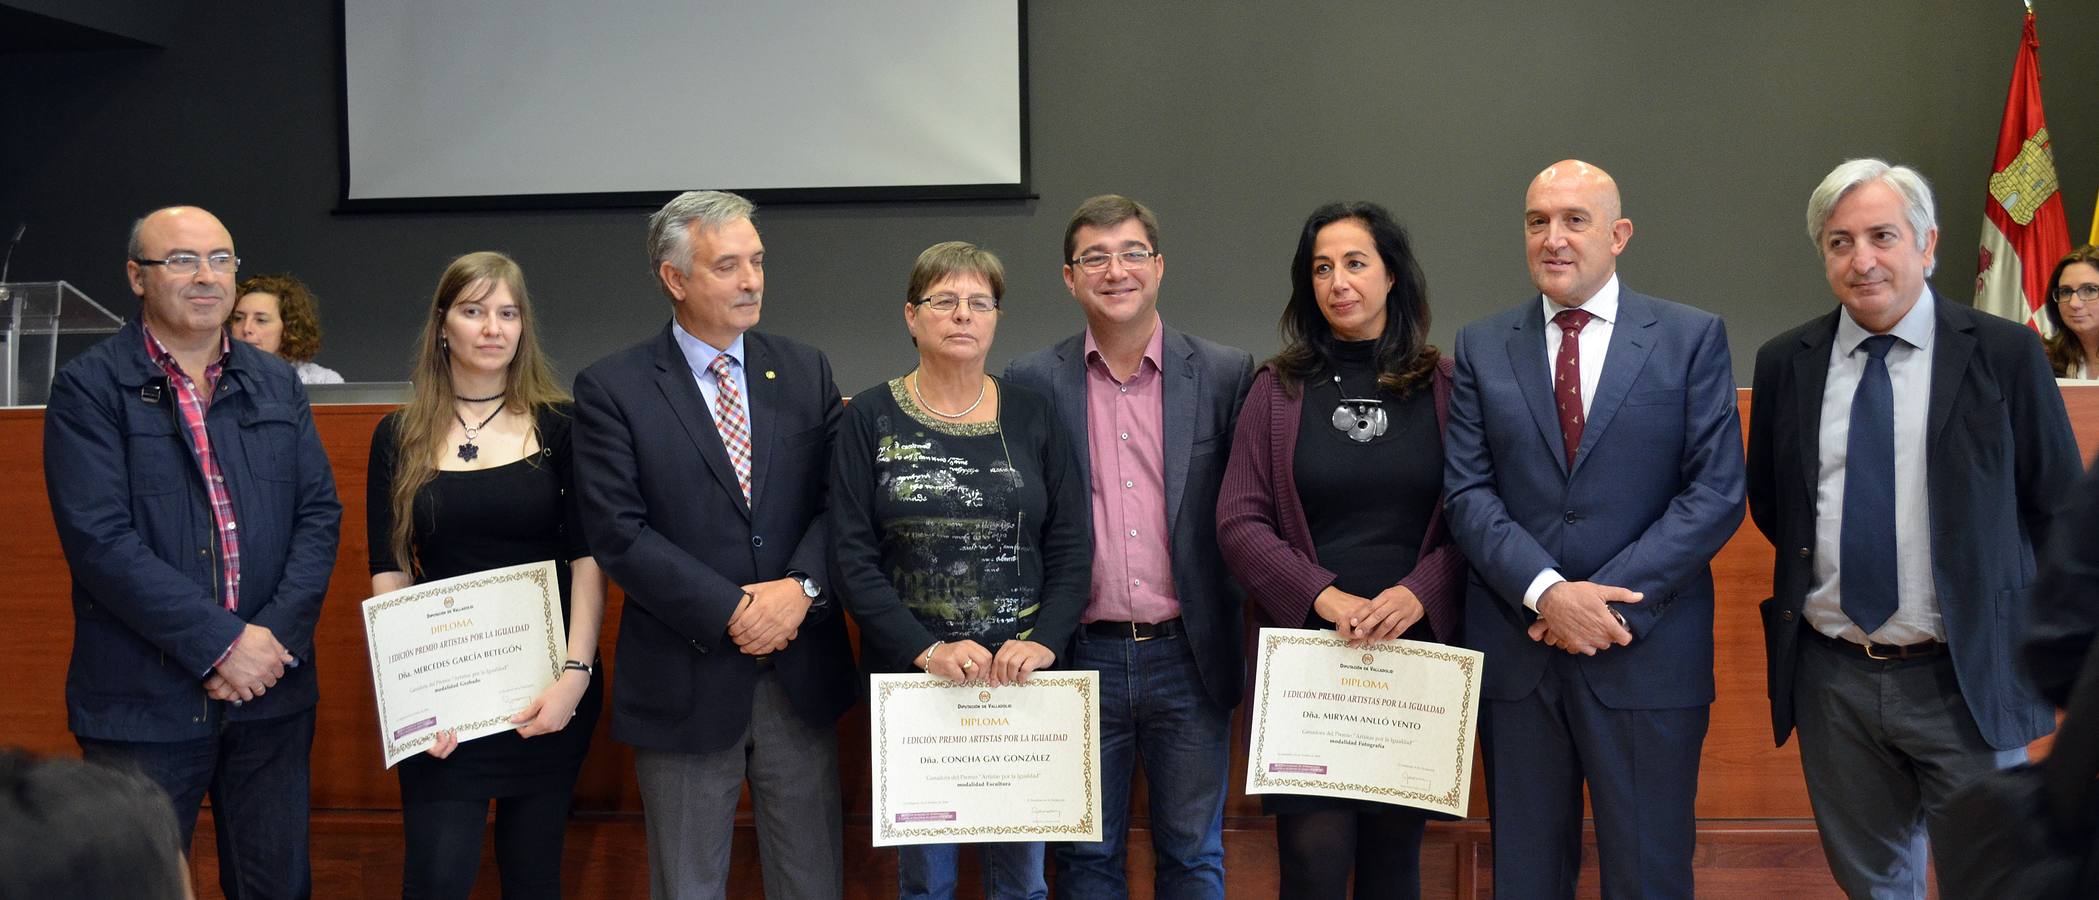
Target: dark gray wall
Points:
(1716, 117)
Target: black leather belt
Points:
(1135, 631)
(1882, 652)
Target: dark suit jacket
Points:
(2000, 455)
(1656, 489)
(665, 519)
(1203, 383)
(2065, 606)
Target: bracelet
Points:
(925, 660)
(573, 665)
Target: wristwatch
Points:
(809, 586)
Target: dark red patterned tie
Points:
(1567, 377)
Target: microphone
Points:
(5, 294)
(5, 263)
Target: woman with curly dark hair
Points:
(278, 313)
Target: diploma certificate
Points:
(1391, 723)
(463, 654)
(964, 763)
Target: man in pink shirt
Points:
(1154, 409)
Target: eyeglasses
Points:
(2086, 292)
(946, 303)
(1096, 262)
(188, 263)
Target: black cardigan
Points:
(1055, 544)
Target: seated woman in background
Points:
(2072, 306)
(960, 528)
(474, 473)
(279, 314)
(1331, 512)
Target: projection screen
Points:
(543, 103)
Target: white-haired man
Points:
(700, 459)
(1905, 454)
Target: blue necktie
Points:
(1866, 558)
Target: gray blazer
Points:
(1204, 384)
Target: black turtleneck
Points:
(1367, 503)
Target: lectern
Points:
(35, 315)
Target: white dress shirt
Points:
(1916, 615)
(1595, 340)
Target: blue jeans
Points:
(257, 775)
(1153, 705)
(1012, 871)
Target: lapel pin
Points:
(770, 375)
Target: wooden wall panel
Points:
(1745, 781)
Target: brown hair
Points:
(1108, 211)
(296, 306)
(420, 426)
(2064, 350)
(950, 258)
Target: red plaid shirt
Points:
(192, 403)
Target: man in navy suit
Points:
(1905, 456)
(1594, 466)
(700, 462)
(1154, 410)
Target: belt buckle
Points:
(1871, 655)
(1138, 637)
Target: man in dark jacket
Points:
(1151, 410)
(700, 458)
(198, 515)
(1906, 455)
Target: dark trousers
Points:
(1641, 767)
(1380, 844)
(444, 845)
(256, 774)
(1883, 743)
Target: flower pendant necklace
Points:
(467, 451)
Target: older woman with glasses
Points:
(959, 525)
(2072, 306)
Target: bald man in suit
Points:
(1593, 468)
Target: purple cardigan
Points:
(1261, 523)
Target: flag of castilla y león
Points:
(2023, 229)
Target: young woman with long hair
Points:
(473, 474)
